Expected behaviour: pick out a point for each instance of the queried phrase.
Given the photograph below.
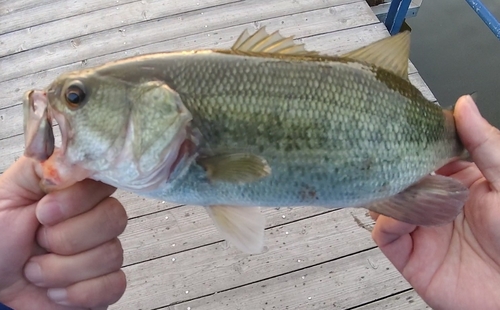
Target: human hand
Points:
(456, 266)
(72, 259)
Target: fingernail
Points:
(33, 272)
(58, 295)
(49, 213)
(472, 105)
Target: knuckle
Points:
(115, 215)
(114, 254)
(59, 242)
(118, 281)
(98, 292)
(107, 291)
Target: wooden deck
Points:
(174, 257)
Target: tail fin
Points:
(474, 96)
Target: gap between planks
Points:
(92, 22)
(108, 41)
(215, 267)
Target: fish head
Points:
(127, 134)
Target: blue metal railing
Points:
(396, 15)
(398, 9)
(486, 16)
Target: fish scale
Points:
(344, 152)
(266, 123)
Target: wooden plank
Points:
(92, 22)
(27, 13)
(419, 83)
(215, 267)
(301, 25)
(11, 122)
(9, 7)
(111, 41)
(339, 284)
(304, 243)
(13, 115)
(138, 206)
(187, 227)
(408, 300)
(11, 149)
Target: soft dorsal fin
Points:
(262, 42)
(391, 53)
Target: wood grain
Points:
(174, 256)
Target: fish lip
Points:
(38, 133)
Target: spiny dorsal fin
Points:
(391, 53)
(262, 42)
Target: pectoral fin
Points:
(434, 200)
(236, 168)
(241, 226)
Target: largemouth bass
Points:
(266, 123)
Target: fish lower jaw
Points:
(58, 173)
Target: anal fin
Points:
(241, 226)
(434, 200)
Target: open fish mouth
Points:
(38, 133)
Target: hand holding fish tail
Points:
(58, 250)
(456, 266)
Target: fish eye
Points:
(75, 95)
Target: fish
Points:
(266, 123)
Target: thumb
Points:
(21, 180)
(480, 138)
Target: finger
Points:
(480, 138)
(21, 181)
(103, 223)
(374, 215)
(454, 167)
(467, 173)
(52, 270)
(387, 230)
(93, 293)
(77, 199)
(394, 240)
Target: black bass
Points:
(265, 123)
